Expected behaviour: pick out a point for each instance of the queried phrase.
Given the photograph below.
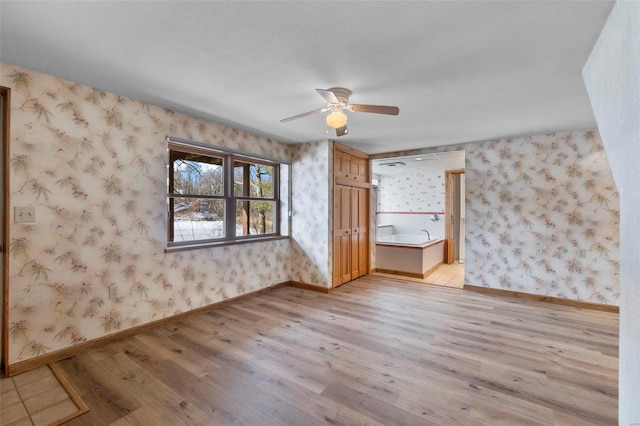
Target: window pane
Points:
(196, 174)
(255, 217)
(252, 180)
(197, 219)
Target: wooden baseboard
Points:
(306, 286)
(430, 271)
(29, 364)
(409, 274)
(541, 298)
(401, 273)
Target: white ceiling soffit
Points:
(459, 71)
(420, 163)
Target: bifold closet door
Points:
(359, 232)
(350, 233)
(341, 234)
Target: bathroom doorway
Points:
(408, 203)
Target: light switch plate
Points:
(26, 214)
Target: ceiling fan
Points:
(338, 100)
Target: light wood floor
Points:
(375, 351)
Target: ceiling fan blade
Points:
(306, 114)
(328, 96)
(376, 109)
(341, 131)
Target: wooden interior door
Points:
(341, 235)
(450, 213)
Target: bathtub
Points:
(410, 255)
(410, 240)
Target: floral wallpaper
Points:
(311, 232)
(542, 216)
(94, 166)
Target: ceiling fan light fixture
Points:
(336, 119)
(337, 99)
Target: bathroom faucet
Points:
(424, 230)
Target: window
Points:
(253, 187)
(216, 197)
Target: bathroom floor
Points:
(446, 275)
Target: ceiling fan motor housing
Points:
(342, 94)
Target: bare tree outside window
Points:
(254, 185)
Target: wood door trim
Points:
(449, 248)
(6, 117)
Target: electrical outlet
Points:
(113, 291)
(582, 253)
(24, 214)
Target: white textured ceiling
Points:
(459, 71)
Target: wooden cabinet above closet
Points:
(350, 166)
